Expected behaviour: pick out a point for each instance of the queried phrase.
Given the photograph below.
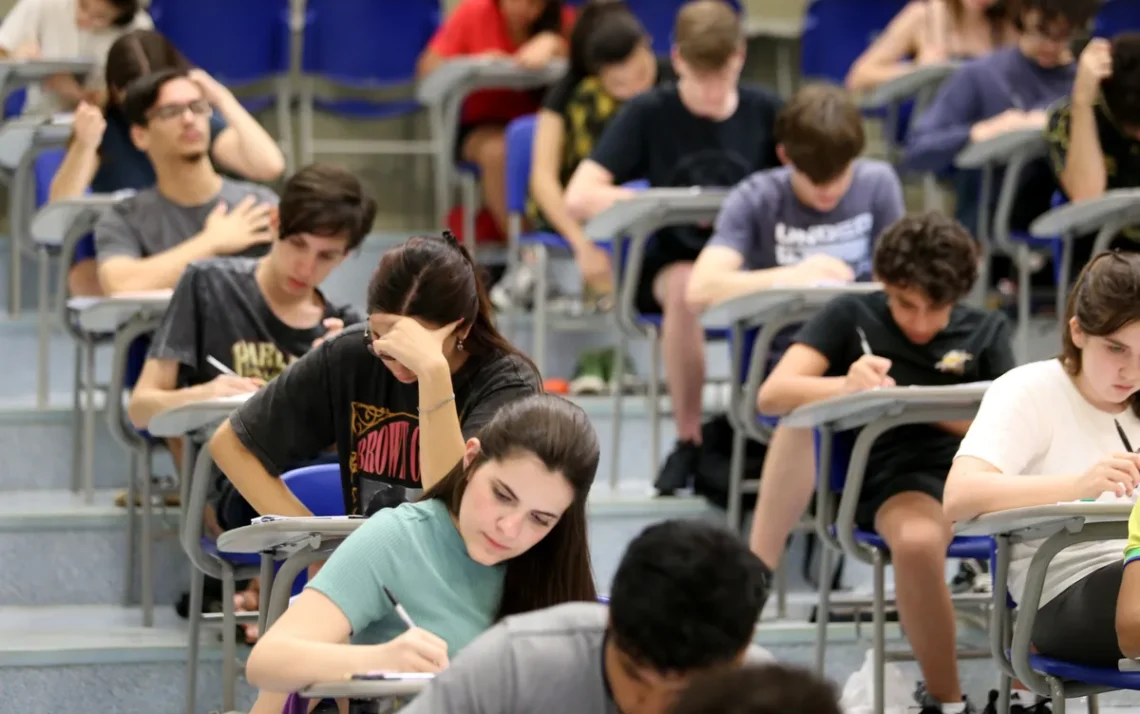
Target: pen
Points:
(216, 364)
(1123, 436)
(863, 342)
(399, 608)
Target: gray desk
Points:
(755, 308)
(56, 229)
(21, 142)
(998, 149)
(851, 411)
(107, 314)
(300, 542)
(629, 224)
(1053, 528)
(192, 417)
(922, 79)
(18, 73)
(366, 689)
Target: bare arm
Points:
(156, 391)
(975, 486)
(886, 58)
(244, 147)
(545, 182)
(717, 277)
(441, 435)
(797, 380)
(1128, 612)
(267, 495)
(121, 274)
(428, 62)
(1084, 175)
(66, 88)
(957, 428)
(75, 173)
(591, 190)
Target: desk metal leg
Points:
(44, 314)
(267, 576)
(15, 286)
(229, 639)
(132, 531)
(89, 424)
(146, 540)
(784, 81)
(622, 343)
(197, 585)
(77, 418)
(879, 635)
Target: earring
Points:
(459, 344)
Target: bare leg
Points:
(918, 535)
(787, 483)
(83, 280)
(486, 147)
(683, 346)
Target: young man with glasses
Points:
(145, 242)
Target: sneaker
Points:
(1020, 702)
(590, 374)
(630, 382)
(972, 576)
(514, 289)
(679, 470)
(929, 705)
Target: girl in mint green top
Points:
(503, 533)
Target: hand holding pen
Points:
(869, 371)
(416, 650)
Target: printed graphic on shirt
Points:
(385, 454)
(263, 360)
(954, 362)
(849, 240)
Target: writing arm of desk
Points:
(756, 308)
(851, 411)
(1118, 208)
(922, 79)
(284, 535)
(458, 77)
(57, 221)
(189, 418)
(18, 136)
(17, 73)
(1034, 522)
(1001, 149)
(366, 689)
(98, 315)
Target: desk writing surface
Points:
(467, 74)
(1020, 519)
(106, 314)
(366, 689)
(34, 70)
(622, 215)
(17, 136)
(999, 149)
(267, 537)
(755, 307)
(186, 418)
(865, 407)
(52, 222)
(909, 84)
(1082, 217)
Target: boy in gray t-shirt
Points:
(684, 601)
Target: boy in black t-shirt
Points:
(917, 334)
(256, 316)
(705, 130)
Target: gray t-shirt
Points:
(148, 223)
(764, 221)
(549, 661)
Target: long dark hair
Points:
(435, 280)
(605, 32)
(557, 569)
(550, 20)
(1105, 298)
(138, 53)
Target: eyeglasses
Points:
(199, 107)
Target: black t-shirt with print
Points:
(340, 393)
(218, 310)
(974, 347)
(655, 137)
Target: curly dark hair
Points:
(928, 252)
(1121, 89)
(759, 689)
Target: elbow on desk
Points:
(577, 201)
(697, 293)
(137, 412)
(1128, 628)
(954, 505)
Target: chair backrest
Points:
(237, 43)
(1116, 16)
(368, 42)
(520, 144)
(659, 16)
(841, 444)
(14, 104)
(45, 168)
(836, 32)
(318, 487)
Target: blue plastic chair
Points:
(659, 16)
(14, 104)
(1116, 16)
(363, 45)
(237, 47)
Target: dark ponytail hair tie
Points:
(450, 238)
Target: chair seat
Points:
(210, 547)
(971, 547)
(769, 421)
(367, 109)
(1103, 676)
(553, 241)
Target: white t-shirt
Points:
(1033, 421)
(51, 24)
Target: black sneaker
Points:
(679, 470)
(1019, 703)
(971, 576)
(930, 705)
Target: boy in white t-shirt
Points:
(67, 29)
(1062, 430)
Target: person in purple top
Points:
(1007, 90)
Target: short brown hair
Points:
(759, 689)
(821, 130)
(929, 252)
(707, 34)
(1105, 298)
(326, 200)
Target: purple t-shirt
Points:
(764, 221)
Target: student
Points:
(812, 220)
(533, 32)
(256, 316)
(1007, 90)
(67, 29)
(503, 532)
(931, 32)
(1061, 430)
(398, 396)
(146, 241)
(1094, 136)
(702, 131)
(684, 602)
(611, 61)
(101, 155)
(760, 689)
(913, 332)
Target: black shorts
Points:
(881, 486)
(659, 254)
(1079, 625)
(230, 507)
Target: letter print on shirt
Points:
(385, 457)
